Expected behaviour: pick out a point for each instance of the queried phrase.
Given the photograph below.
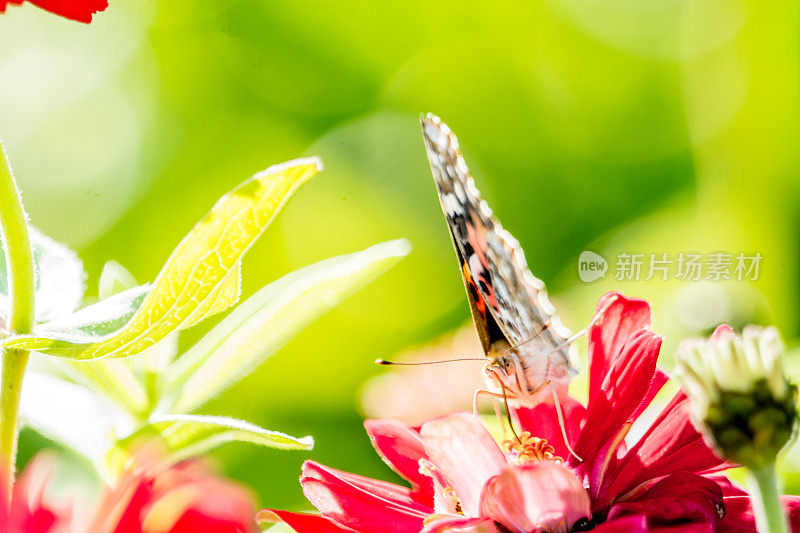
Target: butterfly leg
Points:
(560, 415)
(483, 392)
(495, 396)
(499, 415)
(597, 316)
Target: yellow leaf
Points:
(200, 278)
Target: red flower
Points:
(80, 10)
(184, 498)
(30, 511)
(462, 481)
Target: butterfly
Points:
(526, 346)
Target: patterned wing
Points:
(494, 268)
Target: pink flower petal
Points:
(376, 487)
(628, 524)
(445, 500)
(460, 524)
(659, 380)
(465, 453)
(301, 522)
(625, 387)
(401, 447)
(621, 318)
(670, 445)
(80, 10)
(361, 503)
(678, 498)
(740, 519)
(722, 332)
(542, 422)
(683, 528)
(30, 511)
(729, 488)
(535, 497)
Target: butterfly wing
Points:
(505, 298)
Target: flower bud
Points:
(742, 400)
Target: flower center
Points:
(529, 449)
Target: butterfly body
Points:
(524, 342)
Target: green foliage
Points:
(186, 436)
(202, 276)
(125, 379)
(269, 318)
(610, 126)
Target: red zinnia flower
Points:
(183, 498)
(80, 10)
(30, 510)
(463, 481)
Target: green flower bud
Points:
(742, 401)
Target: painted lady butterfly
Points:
(525, 342)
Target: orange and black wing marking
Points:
(507, 301)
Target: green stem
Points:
(765, 495)
(19, 265)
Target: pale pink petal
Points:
(445, 500)
(465, 453)
(535, 497)
(460, 524)
(621, 317)
(723, 331)
(401, 447)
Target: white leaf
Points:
(59, 279)
(97, 320)
(71, 415)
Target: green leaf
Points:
(191, 435)
(120, 380)
(200, 278)
(269, 318)
(113, 378)
(114, 279)
(59, 278)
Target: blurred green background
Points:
(615, 126)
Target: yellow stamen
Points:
(530, 449)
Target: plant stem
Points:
(765, 495)
(19, 265)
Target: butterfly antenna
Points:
(396, 363)
(560, 416)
